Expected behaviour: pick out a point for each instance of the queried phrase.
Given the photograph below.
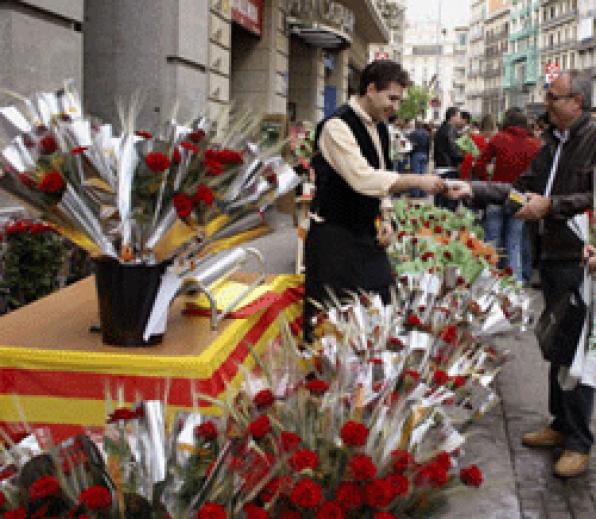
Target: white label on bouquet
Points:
(430, 283)
(419, 340)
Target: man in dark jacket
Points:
(559, 184)
(345, 245)
(447, 153)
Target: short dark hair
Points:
(466, 116)
(383, 72)
(451, 111)
(515, 117)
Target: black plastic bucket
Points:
(126, 294)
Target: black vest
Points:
(335, 200)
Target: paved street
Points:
(518, 481)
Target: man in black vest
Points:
(345, 245)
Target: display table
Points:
(55, 372)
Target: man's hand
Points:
(590, 257)
(458, 189)
(431, 184)
(536, 208)
(385, 233)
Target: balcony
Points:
(560, 19)
(492, 72)
(497, 37)
(524, 33)
(559, 47)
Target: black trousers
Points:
(341, 260)
(571, 410)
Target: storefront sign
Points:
(248, 14)
(322, 16)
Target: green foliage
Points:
(32, 257)
(414, 104)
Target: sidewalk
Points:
(518, 481)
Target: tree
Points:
(415, 103)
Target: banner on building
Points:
(248, 14)
(551, 70)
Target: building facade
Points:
(460, 53)
(496, 45)
(586, 40)
(475, 57)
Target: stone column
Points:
(307, 80)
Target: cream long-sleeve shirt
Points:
(340, 149)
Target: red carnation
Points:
(213, 167)
(157, 162)
(37, 228)
(414, 320)
(438, 229)
(304, 459)
(144, 134)
(399, 484)
(317, 387)
(378, 493)
(52, 182)
(461, 280)
(443, 459)
(349, 495)
(427, 255)
(354, 433)
(440, 377)
(449, 334)
(395, 342)
(447, 255)
(176, 156)
(383, 515)
(362, 467)
(190, 147)
(459, 381)
(211, 511)
(45, 486)
(196, 136)
(330, 510)
(183, 204)
(289, 441)
(206, 430)
(290, 514)
(48, 145)
(402, 460)
(17, 513)
(78, 150)
(259, 427)
(470, 243)
(306, 494)
(426, 224)
(203, 194)
(471, 476)
(264, 398)
(252, 511)
(432, 474)
(96, 497)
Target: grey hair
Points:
(581, 84)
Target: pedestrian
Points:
(446, 152)
(512, 149)
(345, 245)
(479, 141)
(420, 139)
(488, 127)
(559, 187)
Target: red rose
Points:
(213, 167)
(306, 494)
(427, 255)
(122, 414)
(395, 342)
(78, 150)
(38, 228)
(317, 387)
(290, 514)
(438, 229)
(402, 460)
(440, 377)
(447, 255)
(224, 156)
(330, 510)
(259, 427)
(2, 499)
(212, 511)
(378, 493)
(96, 497)
(26, 180)
(443, 459)
(354, 433)
(196, 136)
(274, 487)
(48, 145)
(362, 467)
(289, 441)
(383, 515)
(303, 459)
(449, 334)
(264, 398)
(349, 495)
(45, 486)
(432, 474)
(176, 156)
(144, 134)
(399, 484)
(252, 511)
(206, 430)
(413, 374)
(459, 381)
(183, 204)
(470, 243)
(157, 162)
(414, 320)
(471, 476)
(461, 280)
(18, 513)
(426, 224)
(52, 182)
(203, 194)
(508, 271)
(190, 147)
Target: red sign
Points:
(435, 102)
(248, 14)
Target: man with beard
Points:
(345, 245)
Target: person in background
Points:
(512, 149)
(559, 186)
(488, 127)
(446, 152)
(349, 225)
(420, 139)
(478, 139)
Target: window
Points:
(564, 61)
(572, 60)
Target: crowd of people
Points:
(550, 168)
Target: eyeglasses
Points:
(556, 97)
